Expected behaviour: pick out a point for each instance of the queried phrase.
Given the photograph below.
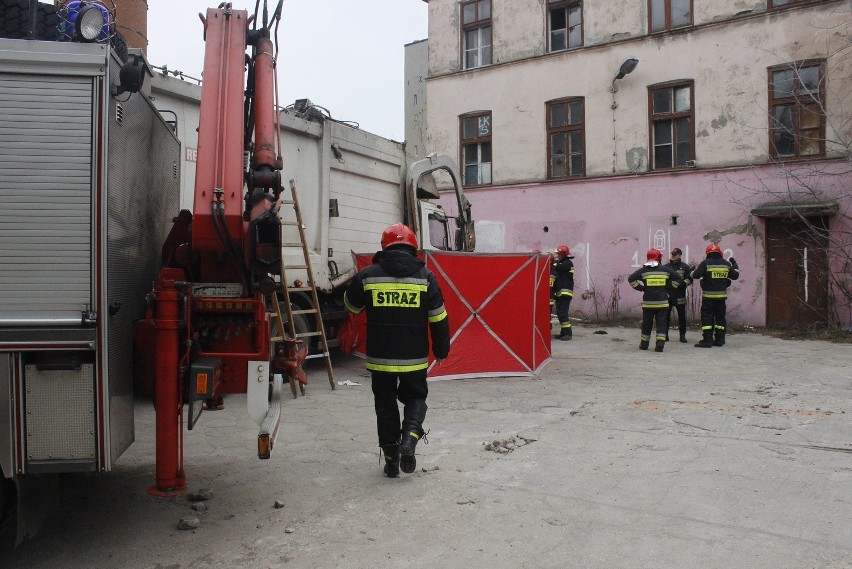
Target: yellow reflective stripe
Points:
(396, 286)
(706, 327)
(349, 306)
(718, 327)
(635, 284)
(644, 338)
(438, 317)
(565, 292)
(714, 295)
(566, 325)
(413, 435)
(657, 304)
(396, 368)
(571, 271)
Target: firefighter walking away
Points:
(654, 280)
(715, 274)
(562, 288)
(404, 306)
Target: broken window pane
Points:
(557, 155)
(809, 79)
(783, 138)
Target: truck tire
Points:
(47, 25)
(119, 44)
(14, 19)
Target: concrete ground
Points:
(734, 457)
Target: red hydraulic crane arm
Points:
(219, 170)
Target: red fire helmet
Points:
(712, 248)
(563, 251)
(654, 255)
(398, 234)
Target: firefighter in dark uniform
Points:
(404, 306)
(677, 296)
(562, 288)
(654, 279)
(715, 274)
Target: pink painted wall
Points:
(610, 223)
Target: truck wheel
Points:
(119, 44)
(14, 22)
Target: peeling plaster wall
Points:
(604, 22)
(609, 240)
(518, 29)
(728, 64)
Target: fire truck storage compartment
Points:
(59, 418)
(46, 137)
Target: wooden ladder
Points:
(307, 287)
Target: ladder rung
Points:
(277, 338)
(315, 356)
(292, 244)
(309, 311)
(299, 289)
(295, 266)
(307, 334)
(288, 202)
(290, 223)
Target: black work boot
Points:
(719, 340)
(565, 334)
(410, 438)
(660, 345)
(643, 344)
(706, 341)
(391, 453)
(683, 337)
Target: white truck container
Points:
(89, 183)
(351, 185)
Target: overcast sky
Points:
(345, 55)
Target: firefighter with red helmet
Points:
(404, 306)
(677, 296)
(715, 274)
(562, 288)
(654, 280)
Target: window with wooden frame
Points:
(476, 148)
(669, 14)
(565, 21)
(566, 138)
(796, 109)
(672, 125)
(476, 33)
